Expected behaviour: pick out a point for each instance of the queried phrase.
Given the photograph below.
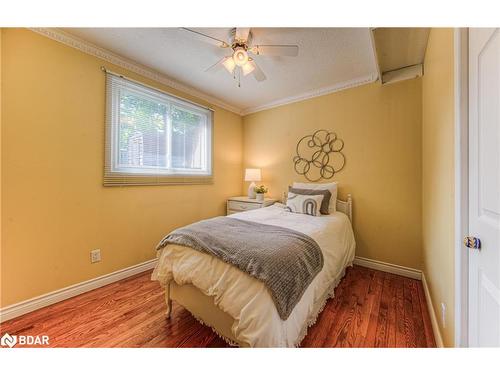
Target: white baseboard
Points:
(388, 267)
(432, 314)
(414, 274)
(24, 307)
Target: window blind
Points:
(153, 138)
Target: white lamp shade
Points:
(229, 64)
(248, 68)
(252, 174)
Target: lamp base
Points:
(251, 191)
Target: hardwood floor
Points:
(370, 309)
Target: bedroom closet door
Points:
(484, 187)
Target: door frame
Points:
(461, 141)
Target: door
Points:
(484, 186)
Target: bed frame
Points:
(203, 308)
(345, 206)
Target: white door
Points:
(484, 186)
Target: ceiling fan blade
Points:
(215, 67)
(242, 34)
(275, 50)
(205, 38)
(257, 72)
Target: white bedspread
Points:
(245, 298)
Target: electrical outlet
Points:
(443, 314)
(95, 256)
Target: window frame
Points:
(116, 175)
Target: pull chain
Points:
(239, 76)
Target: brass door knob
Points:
(472, 242)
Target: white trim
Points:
(461, 69)
(388, 267)
(402, 74)
(432, 314)
(313, 93)
(101, 53)
(375, 54)
(407, 272)
(24, 307)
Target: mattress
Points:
(246, 299)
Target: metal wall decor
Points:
(319, 156)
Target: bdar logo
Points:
(21, 340)
(8, 340)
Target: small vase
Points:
(260, 197)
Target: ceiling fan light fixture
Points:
(248, 68)
(240, 42)
(229, 64)
(240, 56)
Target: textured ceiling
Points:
(328, 57)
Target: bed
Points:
(238, 307)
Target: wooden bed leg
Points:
(168, 301)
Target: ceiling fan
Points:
(240, 60)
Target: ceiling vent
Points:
(400, 52)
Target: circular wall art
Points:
(319, 156)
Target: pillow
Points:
(304, 204)
(325, 193)
(330, 186)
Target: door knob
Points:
(472, 242)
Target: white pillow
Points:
(304, 204)
(330, 186)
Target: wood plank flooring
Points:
(370, 309)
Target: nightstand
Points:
(239, 204)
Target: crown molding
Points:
(101, 53)
(106, 55)
(313, 93)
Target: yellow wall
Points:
(438, 175)
(54, 206)
(381, 128)
(54, 209)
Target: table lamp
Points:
(252, 175)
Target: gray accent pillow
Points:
(304, 204)
(325, 193)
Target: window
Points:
(153, 138)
